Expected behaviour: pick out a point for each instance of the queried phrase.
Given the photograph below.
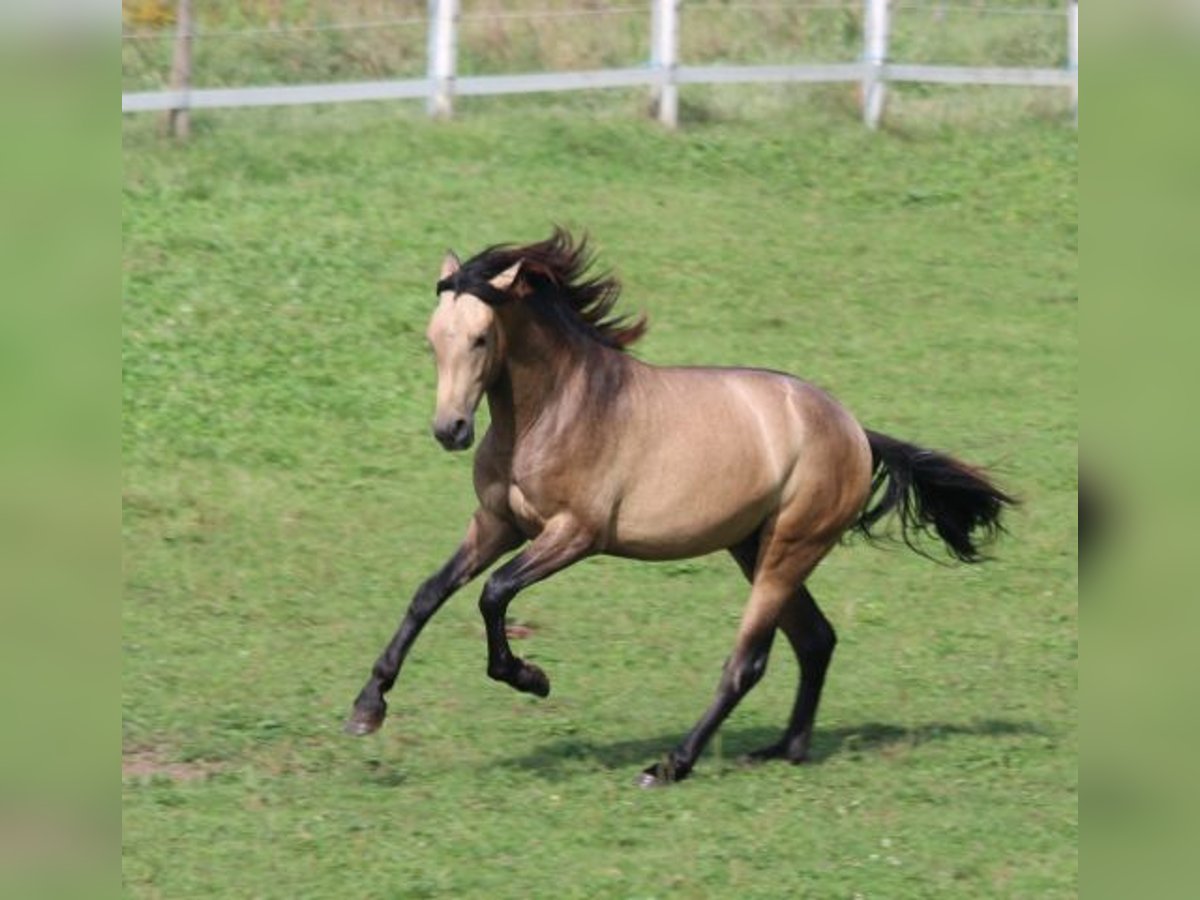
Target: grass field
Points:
(283, 497)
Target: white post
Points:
(874, 89)
(443, 56)
(1073, 53)
(664, 57)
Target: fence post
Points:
(664, 57)
(874, 88)
(178, 123)
(1073, 53)
(443, 56)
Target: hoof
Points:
(662, 774)
(364, 721)
(532, 680)
(649, 779)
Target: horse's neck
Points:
(521, 395)
(543, 380)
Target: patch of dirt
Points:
(147, 762)
(518, 630)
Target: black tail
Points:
(929, 490)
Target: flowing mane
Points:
(554, 280)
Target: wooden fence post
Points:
(1073, 53)
(875, 35)
(443, 57)
(178, 123)
(664, 57)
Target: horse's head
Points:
(468, 345)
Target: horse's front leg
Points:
(560, 544)
(488, 537)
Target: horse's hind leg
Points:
(813, 640)
(743, 669)
(780, 568)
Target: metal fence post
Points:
(443, 57)
(664, 57)
(874, 88)
(178, 122)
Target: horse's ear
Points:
(450, 265)
(505, 279)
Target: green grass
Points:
(283, 497)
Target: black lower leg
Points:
(813, 640)
(502, 664)
(369, 706)
(814, 662)
(559, 545)
(738, 677)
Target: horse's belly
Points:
(705, 483)
(672, 524)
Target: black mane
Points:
(553, 280)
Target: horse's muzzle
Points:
(457, 434)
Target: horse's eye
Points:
(479, 342)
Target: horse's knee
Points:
(495, 597)
(742, 672)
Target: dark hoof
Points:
(662, 774)
(532, 680)
(649, 779)
(364, 721)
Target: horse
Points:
(592, 451)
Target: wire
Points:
(962, 9)
(554, 13)
(279, 32)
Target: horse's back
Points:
(706, 455)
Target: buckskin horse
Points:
(592, 451)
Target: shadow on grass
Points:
(561, 758)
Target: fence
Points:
(663, 75)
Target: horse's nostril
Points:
(454, 434)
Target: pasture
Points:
(283, 497)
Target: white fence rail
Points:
(663, 75)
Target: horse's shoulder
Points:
(493, 472)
